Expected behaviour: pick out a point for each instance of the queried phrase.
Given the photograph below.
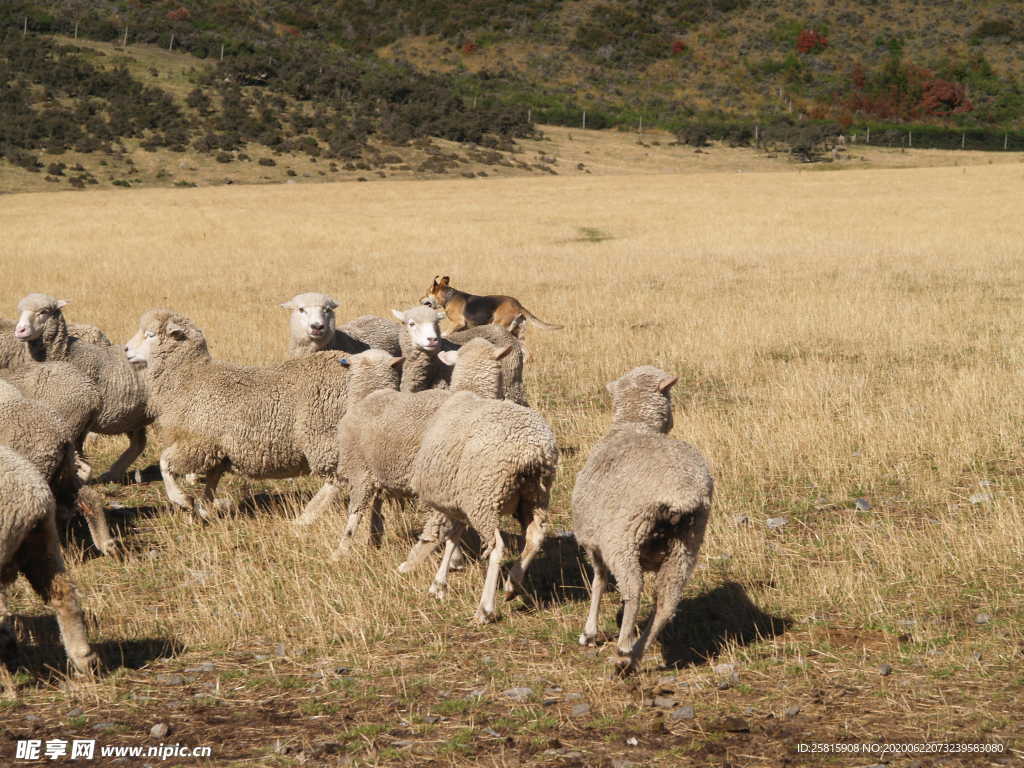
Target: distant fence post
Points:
(963, 140)
(170, 45)
(868, 139)
(757, 134)
(222, 51)
(125, 45)
(910, 139)
(641, 128)
(1006, 137)
(24, 28)
(76, 30)
(529, 114)
(584, 119)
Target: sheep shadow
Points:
(150, 474)
(41, 654)
(703, 626)
(560, 573)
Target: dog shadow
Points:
(704, 626)
(41, 654)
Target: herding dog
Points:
(466, 310)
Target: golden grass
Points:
(837, 336)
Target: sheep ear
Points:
(344, 362)
(665, 384)
(500, 353)
(330, 303)
(176, 330)
(396, 362)
(440, 315)
(62, 303)
(448, 357)
(398, 315)
(289, 305)
(610, 386)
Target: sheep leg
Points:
(8, 643)
(361, 497)
(171, 487)
(91, 506)
(136, 445)
(376, 522)
(435, 530)
(487, 612)
(326, 496)
(535, 533)
(209, 497)
(40, 559)
(668, 586)
(630, 584)
(597, 587)
(440, 585)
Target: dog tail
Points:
(534, 320)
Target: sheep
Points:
(381, 432)
(65, 389)
(37, 432)
(640, 503)
(312, 326)
(512, 364)
(14, 353)
(29, 544)
(420, 341)
(41, 326)
(272, 422)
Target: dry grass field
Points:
(849, 353)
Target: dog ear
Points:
(437, 279)
(396, 362)
(500, 353)
(665, 384)
(444, 281)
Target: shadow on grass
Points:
(41, 654)
(703, 626)
(123, 522)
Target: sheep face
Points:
(312, 317)
(33, 313)
(642, 397)
(423, 325)
(160, 331)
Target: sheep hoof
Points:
(113, 550)
(623, 668)
(438, 590)
(484, 617)
(588, 641)
(106, 477)
(88, 664)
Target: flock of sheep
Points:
(388, 410)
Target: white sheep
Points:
(381, 432)
(13, 353)
(29, 544)
(42, 328)
(513, 387)
(641, 503)
(468, 457)
(312, 328)
(37, 432)
(273, 422)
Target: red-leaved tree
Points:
(809, 41)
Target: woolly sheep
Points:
(420, 341)
(29, 544)
(37, 432)
(14, 353)
(512, 364)
(380, 434)
(640, 503)
(65, 389)
(312, 328)
(272, 422)
(41, 326)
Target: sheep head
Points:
(34, 311)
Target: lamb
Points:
(641, 503)
(272, 422)
(37, 432)
(381, 431)
(312, 326)
(468, 457)
(29, 544)
(41, 326)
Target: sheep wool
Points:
(29, 545)
(641, 504)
